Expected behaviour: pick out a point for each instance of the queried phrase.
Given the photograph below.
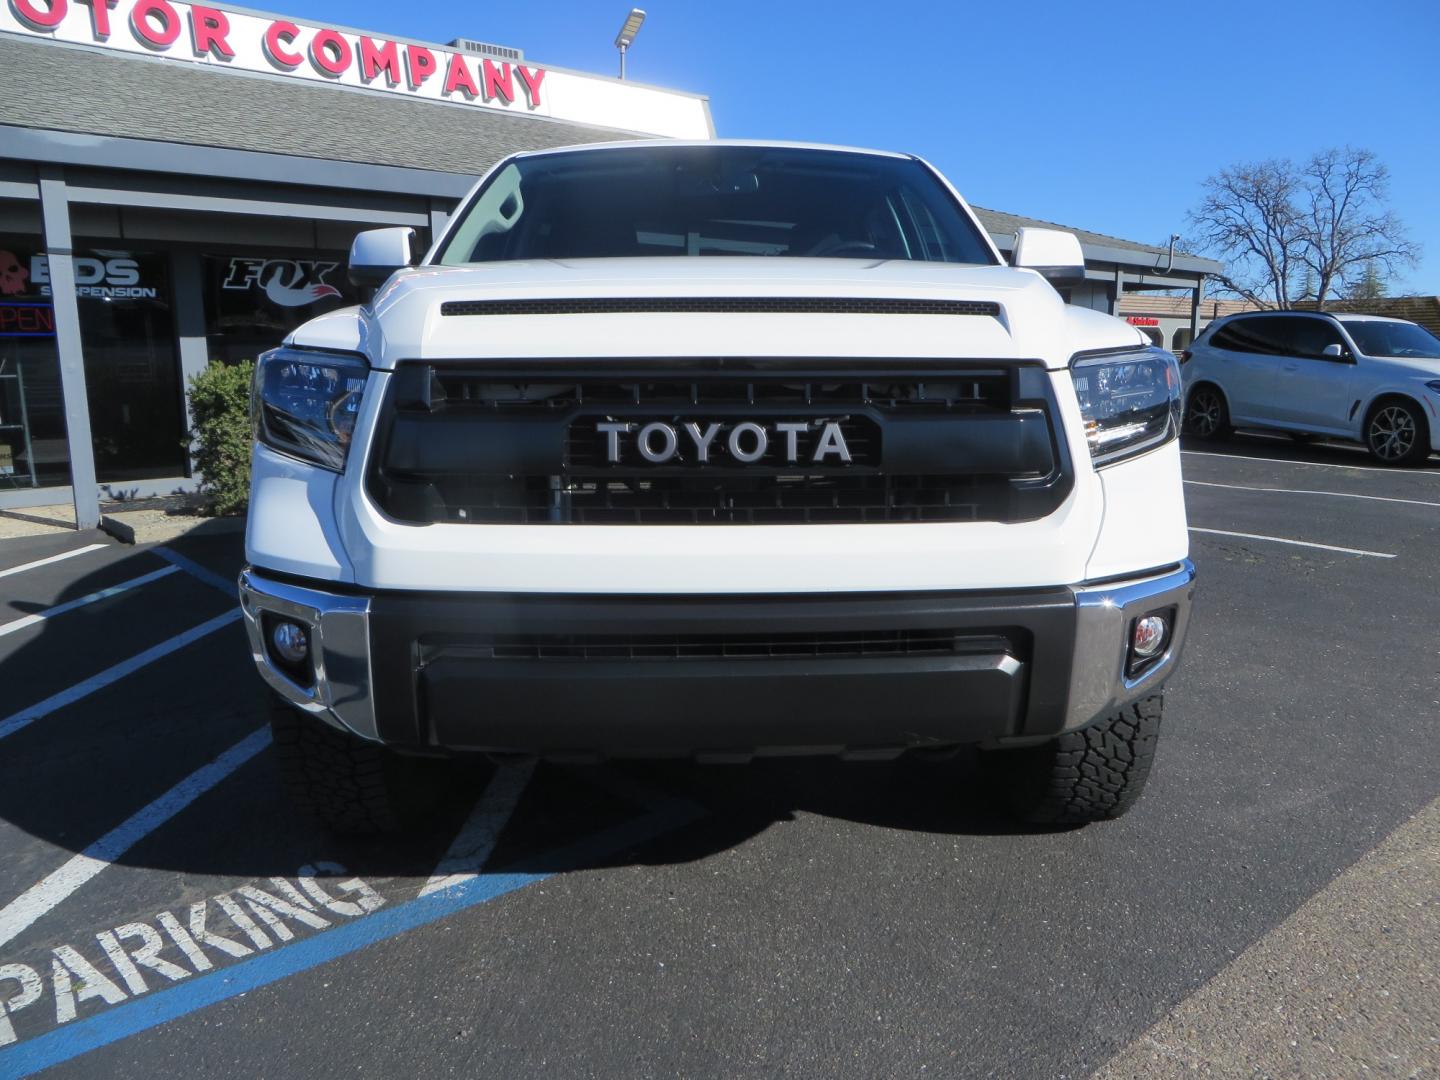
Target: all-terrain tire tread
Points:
(344, 782)
(1094, 774)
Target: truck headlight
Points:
(1130, 399)
(305, 403)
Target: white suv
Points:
(716, 450)
(1360, 377)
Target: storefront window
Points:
(254, 299)
(132, 373)
(132, 378)
(33, 450)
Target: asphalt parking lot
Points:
(162, 912)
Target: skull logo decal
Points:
(12, 275)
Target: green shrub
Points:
(220, 406)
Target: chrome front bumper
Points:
(339, 649)
(1104, 614)
(340, 627)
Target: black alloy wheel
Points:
(1206, 416)
(1396, 434)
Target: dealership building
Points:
(179, 186)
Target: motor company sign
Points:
(238, 40)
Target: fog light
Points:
(291, 641)
(1149, 636)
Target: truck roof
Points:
(756, 143)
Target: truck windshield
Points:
(1392, 338)
(714, 200)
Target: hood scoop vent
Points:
(715, 305)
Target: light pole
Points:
(626, 37)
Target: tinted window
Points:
(1246, 335)
(1277, 335)
(1393, 338)
(1309, 337)
(132, 375)
(714, 200)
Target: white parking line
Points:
(477, 837)
(1315, 464)
(1296, 543)
(1300, 491)
(52, 559)
(15, 721)
(53, 888)
(71, 605)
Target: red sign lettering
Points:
(16, 319)
(330, 53)
(279, 36)
(289, 47)
(39, 18)
(498, 82)
(421, 64)
(209, 30)
(99, 17)
(532, 81)
(377, 58)
(458, 77)
(155, 23)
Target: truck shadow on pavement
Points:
(87, 766)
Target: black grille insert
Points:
(708, 499)
(710, 305)
(484, 444)
(476, 388)
(662, 647)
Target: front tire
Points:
(1207, 417)
(352, 787)
(1396, 433)
(1094, 774)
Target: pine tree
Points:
(1371, 285)
(1307, 287)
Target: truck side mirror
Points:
(1334, 351)
(377, 253)
(1055, 255)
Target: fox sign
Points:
(241, 41)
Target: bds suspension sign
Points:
(234, 40)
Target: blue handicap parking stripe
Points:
(142, 1013)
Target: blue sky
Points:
(1101, 116)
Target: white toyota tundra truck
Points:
(715, 450)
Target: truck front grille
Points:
(483, 443)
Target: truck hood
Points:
(405, 321)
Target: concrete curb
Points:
(146, 531)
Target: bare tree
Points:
(1283, 228)
(1249, 218)
(1348, 229)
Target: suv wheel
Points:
(353, 787)
(1093, 774)
(1206, 415)
(1397, 434)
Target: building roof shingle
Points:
(999, 223)
(145, 98)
